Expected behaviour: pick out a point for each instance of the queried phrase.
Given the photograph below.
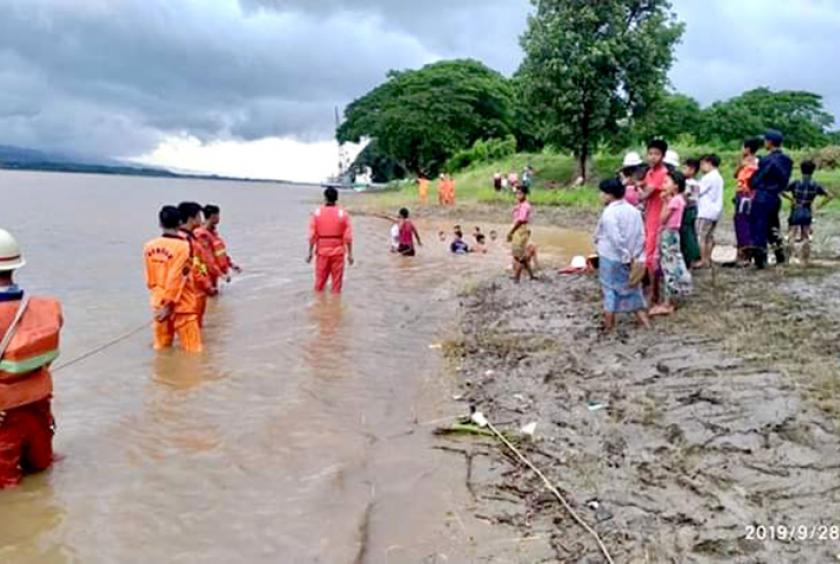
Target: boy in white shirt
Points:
(709, 207)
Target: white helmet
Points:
(10, 255)
(631, 159)
(672, 158)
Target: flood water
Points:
(302, 434)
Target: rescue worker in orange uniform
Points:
(170, 278)
(441, 189)
(331, 237)
(205, 271)
(208, 235)
(29, 335)
(423, 189)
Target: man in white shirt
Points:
(709, 207)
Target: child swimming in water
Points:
(459, 246)
(480, 244)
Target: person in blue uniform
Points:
(768, 182)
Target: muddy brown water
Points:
(302, 434)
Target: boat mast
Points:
(343, 159)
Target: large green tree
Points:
(592, 66)
(671, 116)
(422, 117)
(799, 115)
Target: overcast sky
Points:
(248, 87)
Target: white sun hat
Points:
(631, 159)
(10, 256)
(672, 158)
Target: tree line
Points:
(593, 77)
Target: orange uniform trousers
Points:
(329, 267)
(187, 328)
(25, 442)
(202, 308)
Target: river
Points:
(302, 434)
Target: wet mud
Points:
(671, 443)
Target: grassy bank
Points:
(555, 175)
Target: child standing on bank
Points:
(709, 207)
(802, 194)
(743, 197)
(629, 176)
(520, 235)
(676, 278)
(620, 239)
(688, 232)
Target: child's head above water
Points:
(442, 235)
(479, 238)
(458, 233)
(493, 235)
(404, 213)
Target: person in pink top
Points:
(651, 195)
(676, 277)
(520, 234)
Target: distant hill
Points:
(20, 158)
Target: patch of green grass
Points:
(555, 175)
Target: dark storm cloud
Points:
(115, 77)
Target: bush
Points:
(482, 152)
(827, 158)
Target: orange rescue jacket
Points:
(330, 231)
(24, 367)
(213, 240)
(204, 251)
(170, 274)
(202, 275)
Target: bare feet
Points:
(661, 309)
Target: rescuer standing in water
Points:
(331, 239)
(29, 334)
(205, 272)
(208, 234)
(170, 277)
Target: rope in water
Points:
(554, 491)
(103, 348)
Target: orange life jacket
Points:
(329, 230)
(24, 374)
(217, 247)
(203, 245)
(202, 271)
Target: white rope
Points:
(103, 347)
(481, 421)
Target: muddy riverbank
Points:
(671, 443)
